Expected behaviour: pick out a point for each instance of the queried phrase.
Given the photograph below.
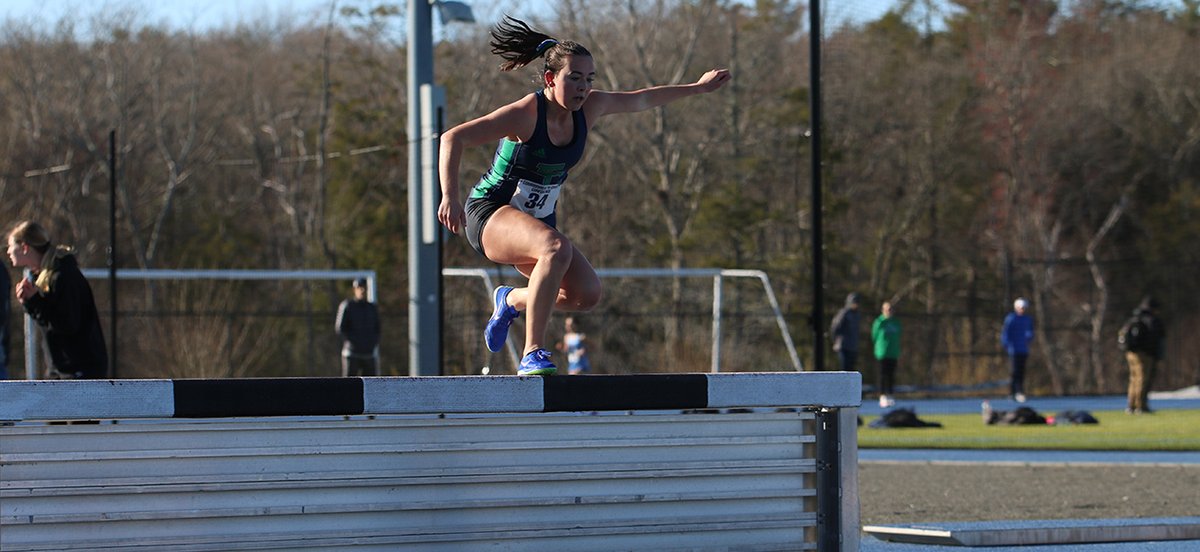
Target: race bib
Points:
(536, 199)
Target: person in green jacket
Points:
(885, 334)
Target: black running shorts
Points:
(479, 211)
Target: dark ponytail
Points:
(518, 44)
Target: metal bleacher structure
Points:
(737, 461)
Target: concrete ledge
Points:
(1037, 532)
(86, 399)
(831, 389)
(465, 394)
(258, 397)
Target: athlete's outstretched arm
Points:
(602, 103)
(512, 121)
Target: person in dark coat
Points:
(58, 297)
(843, 330)
(358, 324)
(5, 308)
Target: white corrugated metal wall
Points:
(614, 481)
(496, 463)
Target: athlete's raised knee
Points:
(556, 249)
(581, 297)
(590, 298)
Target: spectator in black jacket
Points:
(5, 308)
(59, 298)
(843, 330)
(1141, 337)
(358, 324)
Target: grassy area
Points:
(1164, 430)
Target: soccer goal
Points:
(718, 275)
(172, 275)
(256, 323)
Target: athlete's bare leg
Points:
(558, 273)
(580, 290)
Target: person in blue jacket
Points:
(1015, 337)
(509, 216)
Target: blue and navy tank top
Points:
(529, 175)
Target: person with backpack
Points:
(1141, 337)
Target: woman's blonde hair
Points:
(28, 232)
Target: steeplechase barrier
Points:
(664, 462)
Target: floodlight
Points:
(452, 11)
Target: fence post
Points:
(829, 489)
(716, 325)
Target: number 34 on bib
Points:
(538, 200)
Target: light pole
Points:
(424, 252)
(818, 246)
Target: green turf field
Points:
(1163, 430)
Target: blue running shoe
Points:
(496, 332)
(537, 363)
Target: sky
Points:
(201, 15)
(207, 14)
(180, 14)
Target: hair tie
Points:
(546, 45)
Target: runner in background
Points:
(574, 344)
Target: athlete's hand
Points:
(714, 79)
(451, 215)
